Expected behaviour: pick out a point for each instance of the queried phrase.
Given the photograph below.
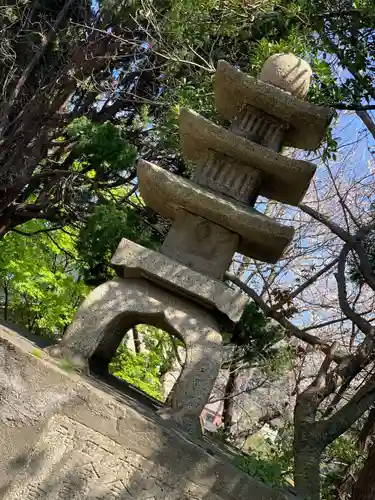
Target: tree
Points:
(143, 65)
(314, 434)
(140, 369)
(256, 342)
(364, 488)
(71, 74)
(118, 71)
(339, 34)
(106, 225)
(38, 278)
(341, 39)
(361, 439)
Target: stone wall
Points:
(64, 435)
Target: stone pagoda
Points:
(180, 288)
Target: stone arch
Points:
(116, 329)
(115, 306)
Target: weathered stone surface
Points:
(235, 90)
(287, 72)
(260, 127)
(93, 443)
(201, 245)
(283, 179)
(134, 261)
(262, 237)
(226, 175)
(111, 309)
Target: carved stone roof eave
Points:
(234, 90)
(284, 179)
(262, 238)
(134, 261)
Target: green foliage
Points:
(140, 369)
(40, 279)
(99, 237)
(272, 463)
(336, 39)
(163, 345)
(265, 48)
(245, 35)
(331, 33)
(67, 364)
(40, 287)
(337, 457)
(266, 468)
(101, 147)
(145, 369)
(259, 339)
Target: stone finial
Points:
(305, 123)
(289, 73)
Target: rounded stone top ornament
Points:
(287, 72)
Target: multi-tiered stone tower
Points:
(180, 288)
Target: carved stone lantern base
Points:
(111, 309)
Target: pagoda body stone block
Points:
(227, 176)
(259, 127)
(200, 244)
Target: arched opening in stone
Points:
(115, 307)
(145, 356)
(149, 358)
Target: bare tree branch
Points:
(346, 416)
(367, 120)
(344, 235)
(364, 325)
(306, 284)
(353, 107)
(39, 231)
(288, 325)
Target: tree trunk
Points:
(364, 488)
(6, 302)
(349, 476)
(307, 472)
(137, 342)
(230, 389)
(307, 447)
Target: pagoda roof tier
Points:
(134, 261)
(261, 237)
(234, 90)
(283, 179)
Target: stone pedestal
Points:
(116, 306)
(65, 436)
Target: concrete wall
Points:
(70, 437)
